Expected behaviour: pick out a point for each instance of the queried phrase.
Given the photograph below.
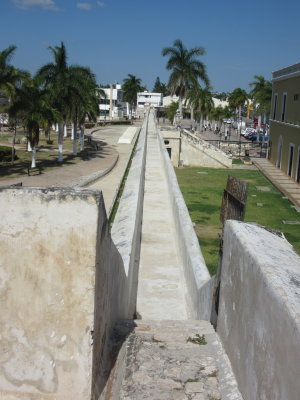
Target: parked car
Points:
(262, 138)
(247, 131)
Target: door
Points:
(291, 156)
(279, 153)
(298, 166)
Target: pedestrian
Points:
(226, 134)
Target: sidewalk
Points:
(279, 179)
(111, 157)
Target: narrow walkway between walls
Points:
(161, 287)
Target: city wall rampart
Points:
(259, 311)
(65, 281)
(195, 269)
(64, 285)
(50, 270)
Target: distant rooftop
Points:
(287, 71)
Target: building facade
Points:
(284, 144)
(112, 106)
(149, 99)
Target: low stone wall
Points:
(62, 289)
(127, 226)
(197, 152)
(195, 269)
(258, 319)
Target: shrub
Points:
(5, 154)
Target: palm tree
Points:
(187, 70)
(69, 87)
(10, 76)
(32, 108)
(131, 87)
(84, 100)
(261, 95)
(200, 99)
(237, 100)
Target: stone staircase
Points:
(170, 360)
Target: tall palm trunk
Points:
(192, 114)
(82, 138)
(60, 142)
(180, 106)
(13, 146)
(33, 156)
(201, 121)
(75, 138)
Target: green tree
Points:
(32, 108)
(10, 77)
(186, 69)
(200, 99)
(68, 86)
(237, 100)
(171, 111)
(131, 87)
(160, 87)
(261, 95)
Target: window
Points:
(283, 107)
(296, 97)
(275, 105)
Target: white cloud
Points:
(100, 4)
(84, 6)
(45, 4)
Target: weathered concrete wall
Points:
(197, 152)
(62, 284)
(195, 269)
(127, 226)
(259, 313)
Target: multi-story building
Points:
(284, 150)
(149, 99)
(112, 106)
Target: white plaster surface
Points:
(259, 313)
(62, 289)
(196, 152)
(128, 135)
(126, 229)
(194, 267)
(161, 286)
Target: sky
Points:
(120, 37)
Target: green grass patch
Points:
(122, 186)
(237, 161)
(203, 195)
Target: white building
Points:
(112, 106)
(149, 99)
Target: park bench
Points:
(34, 170)
(16, 184)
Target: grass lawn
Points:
(202, 189)
(46, 156)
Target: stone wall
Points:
(62, 288)
(197, 152)
(259, 312)
(195, 269)
(127, 227)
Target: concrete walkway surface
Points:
(285, 184)
(110, 160)
(176, 360)
(161, 287)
